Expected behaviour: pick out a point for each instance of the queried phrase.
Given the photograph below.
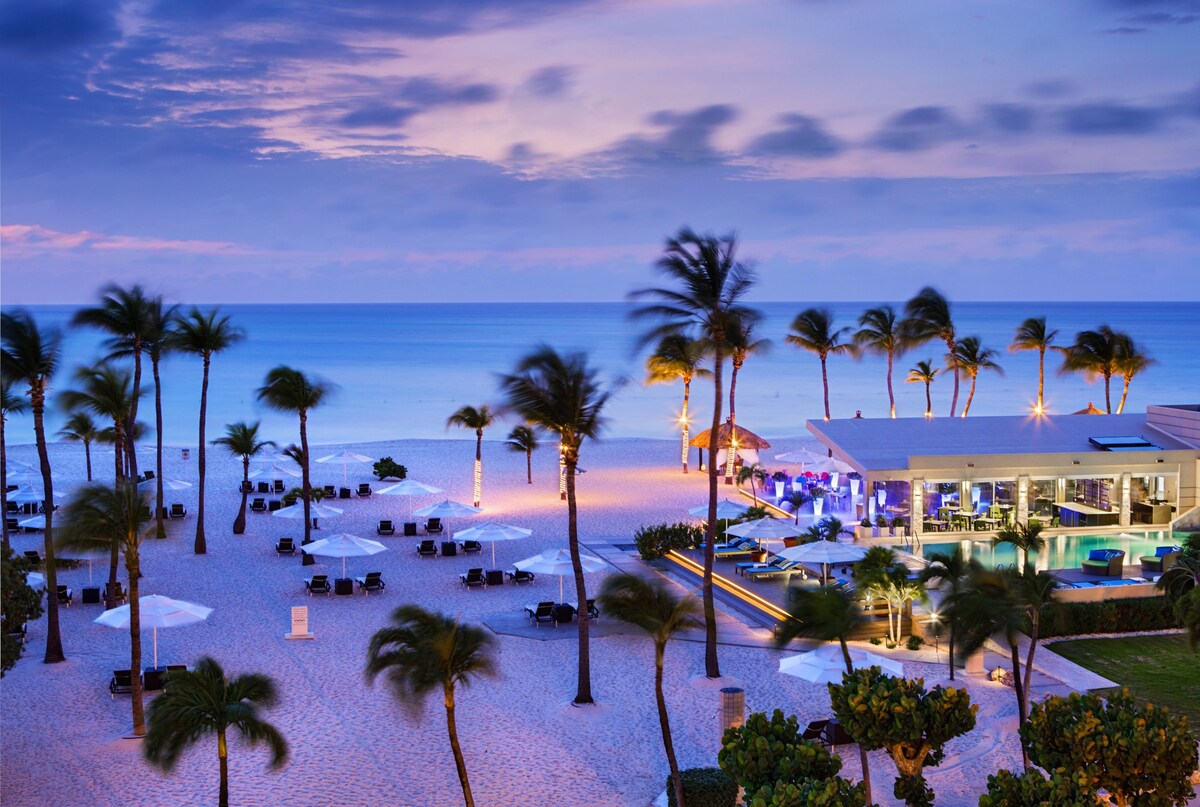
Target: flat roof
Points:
(880, 444)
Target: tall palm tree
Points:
(678, 356)
(241, 440)
(926, 318)
(1032, 334)
(98, 517)
(923, 372)
(1181, 584)
(970, 358)
(11, 404)
(756, 475)
(470, 417)
(1096, 355)
(826, 615)
(879, 333)
(1035, 592)
(1131, 360)
(813, 330)
(651, 605)
(561, 394)
(797, 499)
(159, 340)
(124, 314)
(827, 529)
(1026, 537)
(289, 390)
(421, 652)
(205, 701)
(709, 302)
(204, 335)
(524, 440)
(952, 572)
(743, 343)
(80, 428)
(32, 355)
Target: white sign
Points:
(299, 624)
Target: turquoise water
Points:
(402, 369)
(1061, 552)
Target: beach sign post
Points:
(299, 624)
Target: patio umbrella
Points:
(169, 484)
(276, 471)
(826, 665)
(726, 508)
(271, 458)
(345, 546)
(558, 561)
(1090, 410)
(799, 457)
(345, 458)
(447, 509)
(23, 474)
(765, 529)
(408, 488)
(491, 532)
(27, 494)
(829, 465)
(156, 611)
(35, 580)
(824, 553)
(316, 509)
(37, 522)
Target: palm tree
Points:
(651, 605)
(879, 333)
(678, 356)
(423, 651)
(923, 373)
(827, 529)
(755, 474)
(797, 499)
(742, 345)
(241, 440)
(205, 701)
(826, 615)
(1032, 334)
(80, 428)
(11, 404)
(813, 330)
(709, 303)
(970, 358)
(1035, 591)
(1181, 584)
(524, 440)
(204, 335)
(1026, 537)
(952, 573)
(1130, 361)
(470, 417)
(289, 390)
(32, 355)
(158, 341)
(98, 517)
(562, 395)
(1096, 355)
(927, 317)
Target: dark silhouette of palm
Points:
(562, 394)
(158, 341)
(879, 333)
(205, 701)
(743, 343)
(678, 357)
(423, 652)
(971, 358)
(524, 440)
(813, 330)
(952, 571)
(241, 440)
(923, 372)
(80, 428)
(1026, 537)
(652, 605)
(1181, 584)
(926, 318)
(1131, 360)
(12, 404)
(756, 475)
(1095, 354)
(1032, 334)
(478, 419)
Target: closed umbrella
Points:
(824, 553)
(345, 546)
(491, 532)
(156, 611)
(826, 665)
(558, 561)
(345, 458)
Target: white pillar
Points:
(917, 508)
(1125, 484)
(1022, 501)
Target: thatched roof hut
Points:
(746, 439)
(1091, 410)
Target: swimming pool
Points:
(1060, 552)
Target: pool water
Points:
(1061, 551)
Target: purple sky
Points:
(281, 150)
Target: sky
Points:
(542, 150)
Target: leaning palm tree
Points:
(708, 303)
(290, 390)
(98, 517)
(524, 440)
(241, 440)
(1035, 592)
(205, 701)
(1032, 334)
(1095, 354)
(561, 394)
(159, 340)
(12, 404)
(651, 605)
(826, 615)
(80, 428)
(923, 373)
(470, 417)
(1026, 537)
(756, 475)
(421, 652)
(926, 318)
(879, 333)
(1131, 360)
(204, 335)
(951, 573)
(813, 330)
(1181, 584)
(743, 343)
(32, 355)
(970, 358)
(678, 356)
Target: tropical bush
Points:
(1031, 789)
(1110, 616)
(765, 752)
(656, 540)
(914, 643)
(386, 468)
(20, 604)
(834, 792)
(704, 787)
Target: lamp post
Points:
(562, 473)
(683, 426)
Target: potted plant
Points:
(947, 491)
(855, 482)
(758, 555)
(790, 542)
(863, 530)
(880, 522)
(818, 499)
(898, 523)
(780, 479)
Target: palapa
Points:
(746, 439)
(1091, 410)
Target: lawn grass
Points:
(1159, 669)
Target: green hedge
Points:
(1110, 616)
(704, 787)
(656, 540)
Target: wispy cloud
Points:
(31, 240)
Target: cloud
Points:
(917, 129)
(550, 82)
(1125, 29)
(428, 91)
(1111, 119)
(28, 240)
(48, 27)
(1050, 88)
(686, 141)
(1010, 118)
(385, 116)
(1161, 18)
(801, 136)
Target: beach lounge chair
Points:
(427, 549)
(177, 511)
(175, 669)
(434, 525)
(344, 493)
(471, 546)
(264, 487)
(20, 633)
(33, 557)
(289, 499)
(90, 595)
(1164, 558)
(785, 567)
(740, 568)
(164, 513)
(153, 680)
(278, 486)
(148, 475)
(563, 612)
(410, 529)
(144, 511)
(246, 487)
(286, 546)
(372, 582)
(385, 528)
(14, 524)
(121, 683)
(330, 492)
(65, 596)
(364, 490)
(121, 595)
(473, 578)
(744, 548)
(815, 731)
(317, 584)
(542, 612)
(1104, 563)
(518, 577)
(592, 611)
(258, 506)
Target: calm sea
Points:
(402, 369)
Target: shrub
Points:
(833, 792)
(866, 522)
(914, 643)
(1110, 616)
(875, 640)
(779, 476)
(881, 520)
(386, 468)
(1031, 789)
(655, 541)
(765, 751)
(21, 604)
(704, 787)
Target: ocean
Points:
(402, 369)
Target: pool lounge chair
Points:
(174, 670)
(278, 486)
(364, 489)
(330, 492)
(65, 596)
(385, 528)
(434, 525)
(372, 582)
(258, 506)
(121, 594)
(32, 556)
(410, 529)
(286, 546)
(427, 549)
(1164, 558)
(542, 612)
(1104, 563)
(471, 546)
(772, 570)
(121, 683)
(473, 578)
(518, 577)
(317, 584)
(344, 493)
(264, 487)
(177, 511)
(744, 548)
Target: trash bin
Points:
(306, 559)
(343, 585)
(494, 577)
(449, 548)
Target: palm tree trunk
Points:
(114, 553)
(239, 523)
(731, 454)
(223, 761)
(529, 466)
(953, 369)
(970, 396)
(131, 436)
(951, 650)
(201, 546)
(1034, 618)
(825, 384)
(304, 479)
(1108, 393)
(664, 722)
(583, 690)
(862, 752)
(135, 636)
(1019, 687)
(1041, 377)
(160, 530)
(1124, 395)
(54, 650)
(452, 730)
(4, 488)
(87, 457)
(928, 401)
(891, 395)
(683, 417)
(712, 667)
(478, 489)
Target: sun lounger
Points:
(175, 669)
(344, 493)
(471, 546)
(286, 546)
(258, 506)
(19, 633)
(89, 595)
(32, 556)
(364, 490)
(317, 584)
(246, 487)
(177, 511)
(563, 612)
(733, 552)
(372, 582)
(786, 567)
(542, 612)
(385, 528)
(278, 486)
(592, 611)
(65, 596)
(427, 549)
(153, 680)
(289, 499)
(330, 492)
(434, 525)
(473, 578)
(121, 595)
(518, 577)
(264, 487)
(121, 683)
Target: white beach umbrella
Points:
(35, 580)
(826, 665)
(447, 509)
(824, 553)
(829, 465)
(726, 508)
(345, 546)
(169, 484)
(316, 509)
(276, 471)
(345, 458)
(768, 528)
(27, 494)
(800, 457)
(409, 488)
(272, 458)
(37, 522)
(558, 561)
(156, 611)
(27, 475)
(492, 533)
